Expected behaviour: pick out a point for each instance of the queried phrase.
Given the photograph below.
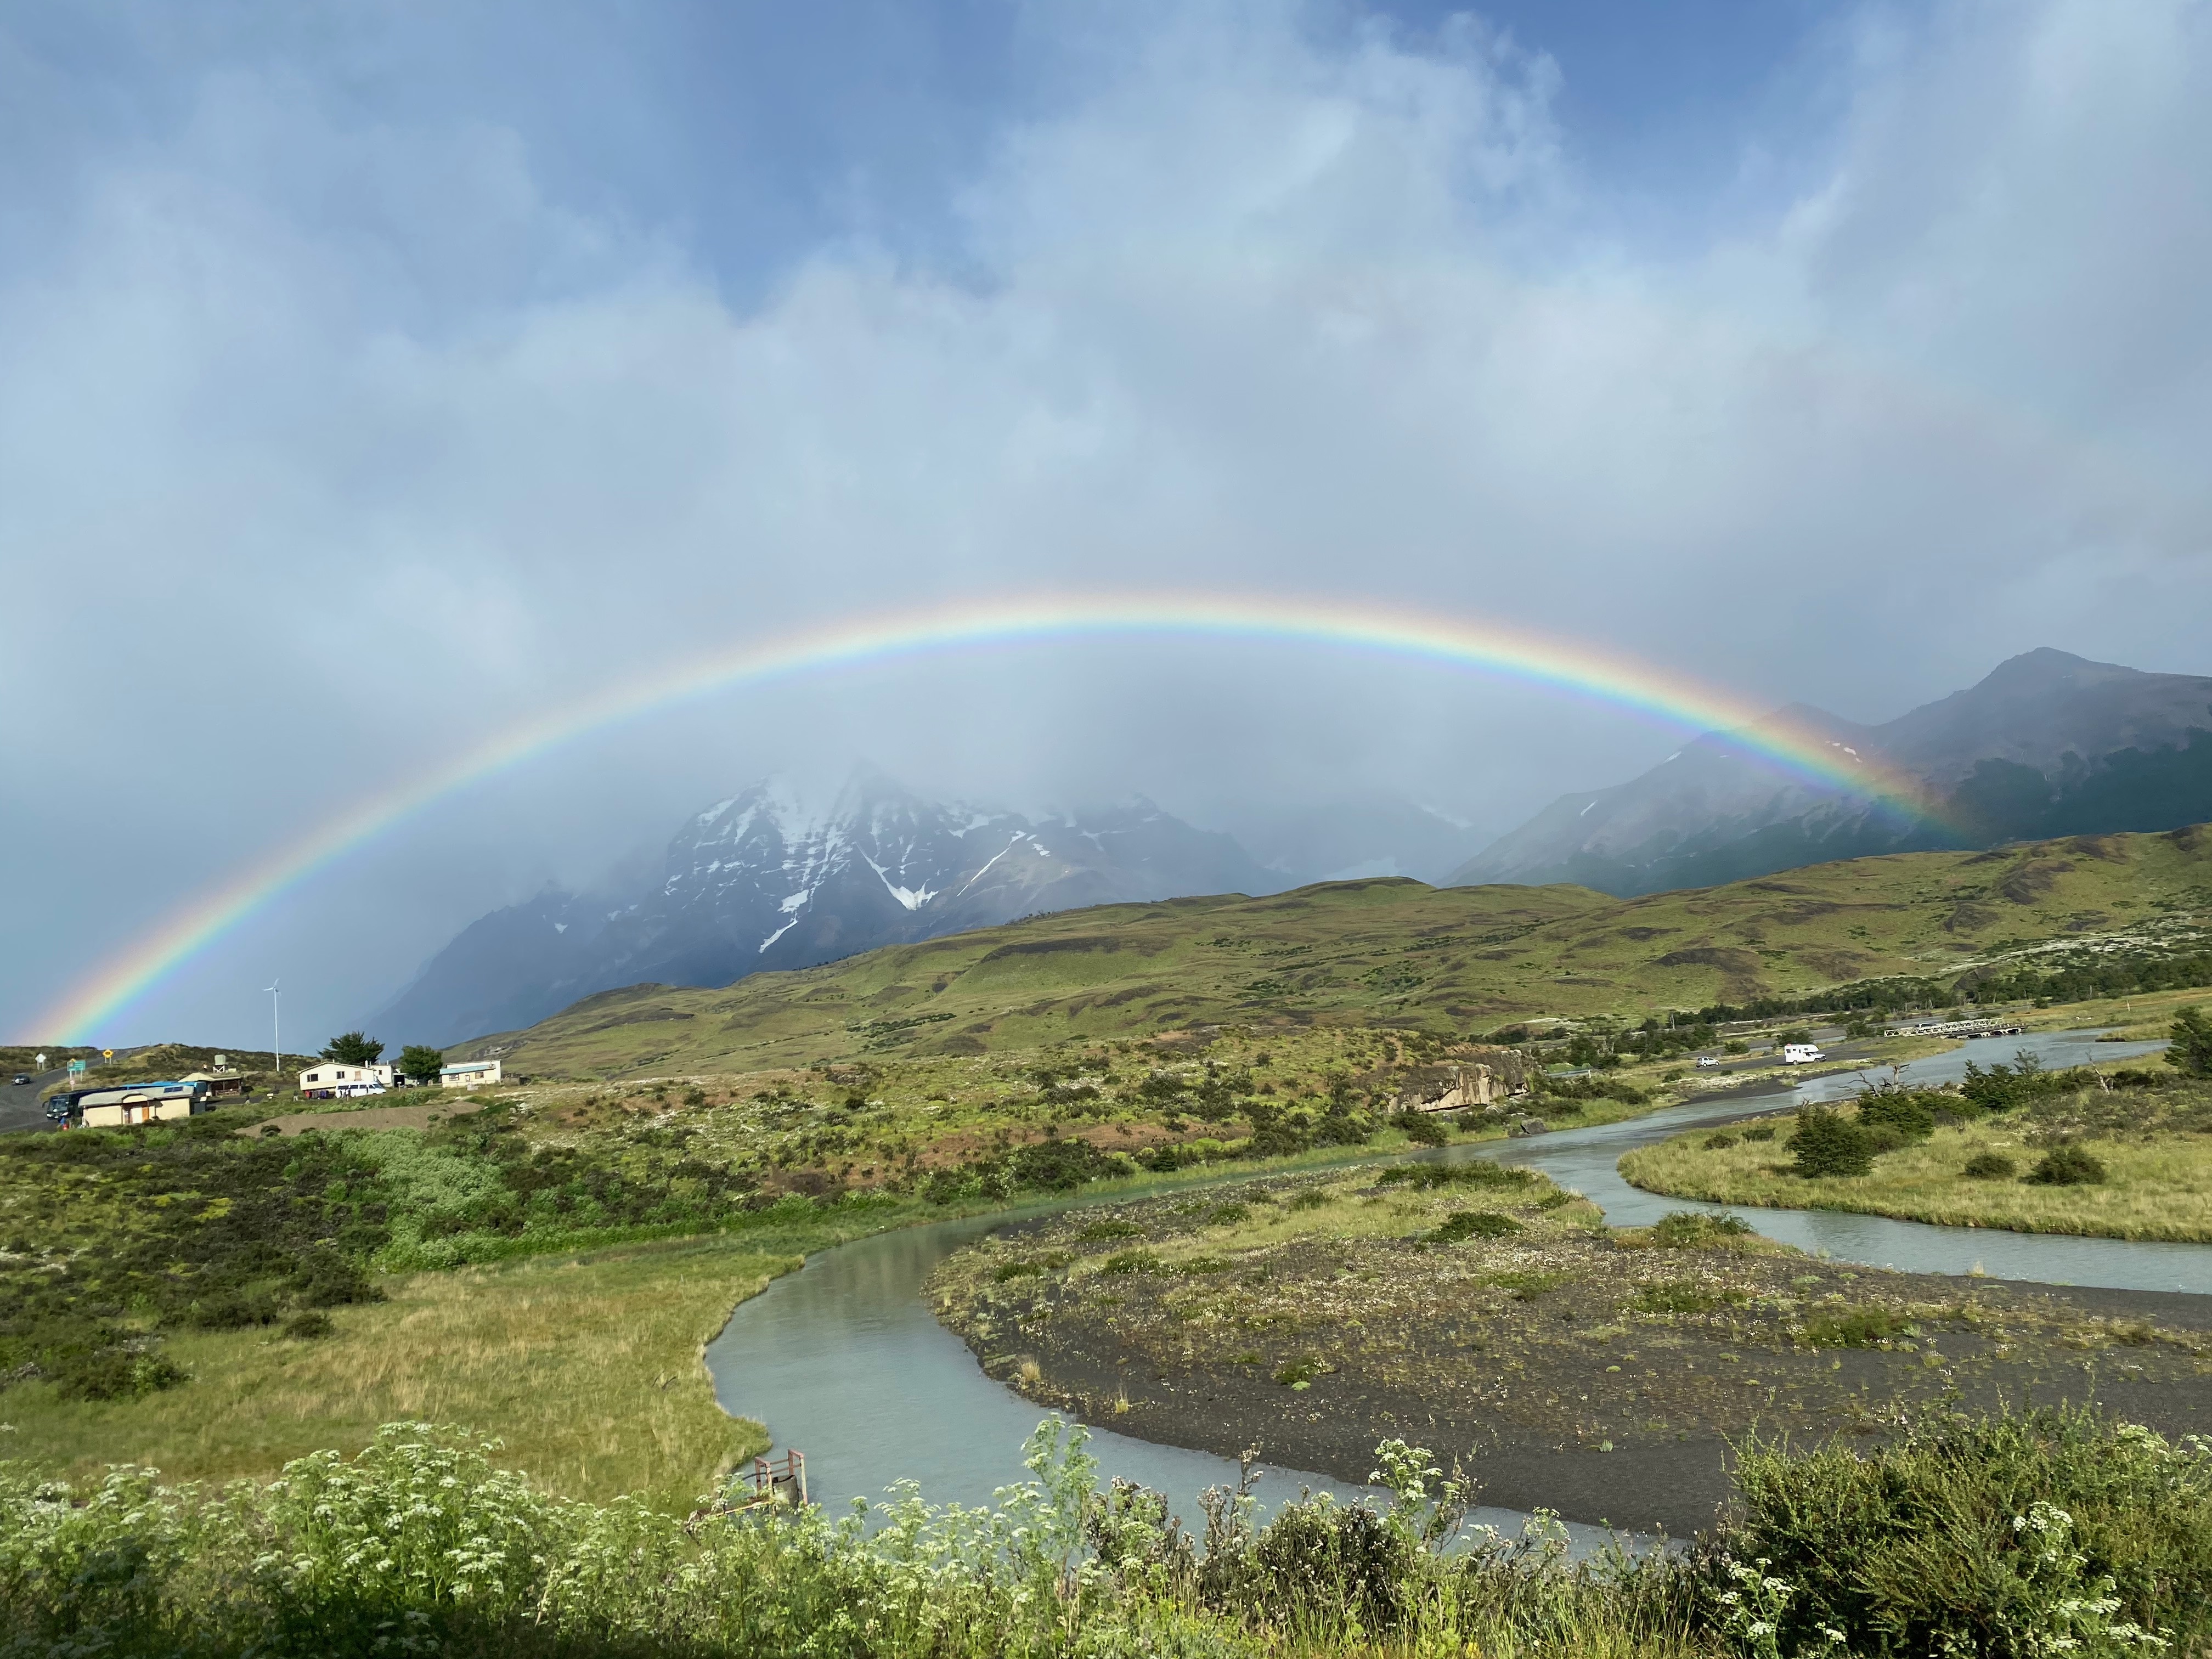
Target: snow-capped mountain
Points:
(767, 879)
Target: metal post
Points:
(277, 1038)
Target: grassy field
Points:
(586, 1368)
(1447, 961)
(2155, 1145)
(203, 1296)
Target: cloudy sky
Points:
(374, 375)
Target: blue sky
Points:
(393, 370)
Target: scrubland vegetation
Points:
(2117, 1152)
(1601, 1371)
(224, 1296)
(2046, 1533)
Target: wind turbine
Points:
(277, 1038)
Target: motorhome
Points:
(119, 1105)
(1801, 1053)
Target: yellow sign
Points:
(107, 1054)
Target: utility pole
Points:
(277, 1039)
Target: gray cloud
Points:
(339, 431)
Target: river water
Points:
(843, 1360)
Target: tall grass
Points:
(2054, 1533)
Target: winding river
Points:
(843, 1360)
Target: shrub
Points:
(1759, 1132)
(1424, 1128)
(1990, 1166)
(1693, 1229)
(308, 1327)
(1719, 1141)
(2190, 1052)
(1098, 1231)
(1030, 1267)
(1130, 1261)
(1856, 1328)
(2030, 1533)
(1908, 1113)
(1308, 1197)
(1828, 1145)
(1684, 1297)
(1320, 1562)
(1474, 1224)
(2067, 1165)
(1475, 1172)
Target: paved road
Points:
(19, 1104)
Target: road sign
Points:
(107, 1054)
(76, 1068)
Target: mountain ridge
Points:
(2046, 744)
(1452, 961)
(766, 879)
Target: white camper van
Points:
(1801, 1053)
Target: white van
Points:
(1801, 1053)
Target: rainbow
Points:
(1494, 649)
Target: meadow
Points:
(1447, 963)
(586, 1370)
(2149, 1132)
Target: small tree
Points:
(419, 1063)
(2192, 1052)
(1829, 1144)
(353, 1048)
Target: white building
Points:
(469, 1074)
(334, 1081)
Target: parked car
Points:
(1708, 1060)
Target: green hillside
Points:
(1449, 960)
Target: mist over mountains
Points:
(2046, 745)
(768, 879)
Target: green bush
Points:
(1855, 1328)
(1990, 1166)
(1907, 1113)
(1131, 1261)
(1473, 1172)
(1999, 1536)
(1694, 1229)
(1424, 1128)
(2191, 1051)
(1828, 1144)
(2002, 1538)
(1464, 1224)
(1720, 1140)
(2066, 1166)
(1684, 1297)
